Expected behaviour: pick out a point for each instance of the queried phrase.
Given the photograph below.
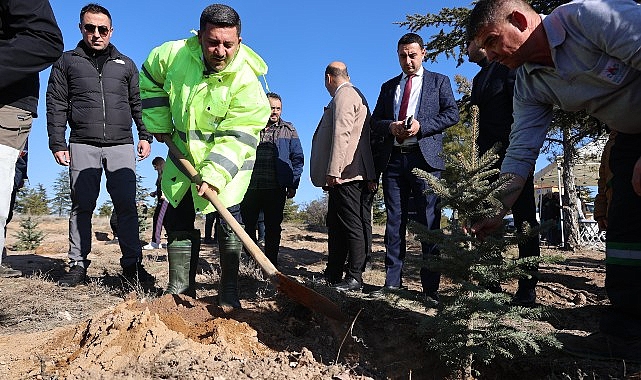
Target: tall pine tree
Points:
(32, 201)
(60, 203)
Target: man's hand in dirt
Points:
(62, 157)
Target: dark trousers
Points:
(183, 216)
(271, 202)
(367, 201)
(346, 231)
(623, 243)
(403, 190)
(524, 211)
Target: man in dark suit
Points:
(492, 92)
(411, 113)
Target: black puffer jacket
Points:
(30, 41)
(98, 106)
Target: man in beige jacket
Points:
(342, 164)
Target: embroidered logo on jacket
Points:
(614, 71)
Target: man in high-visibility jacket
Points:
(203, 93)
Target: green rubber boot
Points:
(193, 263)
(229, 246)
(178, 254)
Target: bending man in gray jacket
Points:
(94, 88)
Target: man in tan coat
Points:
(342, 164)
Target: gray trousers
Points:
(87, 165)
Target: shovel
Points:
(286, 285)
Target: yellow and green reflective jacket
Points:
(214, 119)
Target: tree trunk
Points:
(570, 219)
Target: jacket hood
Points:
(244, 55)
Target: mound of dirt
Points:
(169, 337)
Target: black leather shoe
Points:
(350, 284)
(524, 297)
(493, 287)
(386, 290)
(208, 241)
(138, 273)
(77, 275)
(432, 299)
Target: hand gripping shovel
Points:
(286, 285)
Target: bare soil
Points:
(108, 329)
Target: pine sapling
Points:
(474, 324)
(29, 237)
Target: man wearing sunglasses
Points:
(94, 89)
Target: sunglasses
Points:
(91, 28)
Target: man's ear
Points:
(519, 20)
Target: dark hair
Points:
(157, 160)
(274, 95)
(94, 8)
(336, 71)
(220, 15)
(487, 12)
(410, 38)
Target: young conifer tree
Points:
(29, 236)
(475, 325)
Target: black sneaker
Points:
(77, 275)
(6, 272)
(385, 290)
(137, 273)
(350, 284)
(525, 297)
(431, 299)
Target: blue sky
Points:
(297, 39)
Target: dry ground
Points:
(110, 330)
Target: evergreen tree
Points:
(379, 215)
(32, 201)
(61, 200)
(29, 236)
(106, 209)
(477, 325)
(315, 212)
(142, 196)
(290, 212)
